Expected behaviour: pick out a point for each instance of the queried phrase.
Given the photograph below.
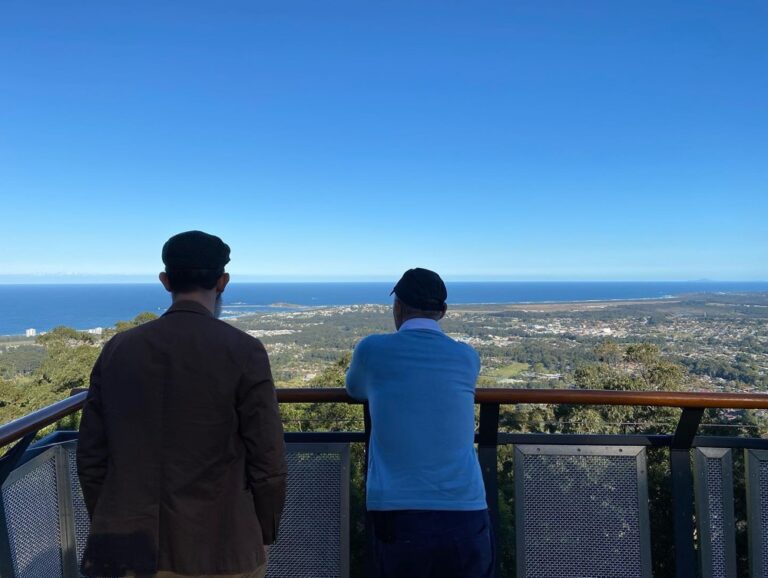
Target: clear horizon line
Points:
(78, 279)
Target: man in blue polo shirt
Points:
(425, 492)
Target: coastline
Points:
(568, 305)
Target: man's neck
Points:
(207, 299)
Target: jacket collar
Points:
(189, 307)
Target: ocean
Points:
(43, 307)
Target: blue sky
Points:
(563, 140)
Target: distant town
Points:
(722, 340)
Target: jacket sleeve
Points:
(262, 432)
(92, 452)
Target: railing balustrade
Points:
(581, 505)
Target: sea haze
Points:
(43, 307)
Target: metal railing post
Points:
(682, 493)
(369, 560)
(488, 443)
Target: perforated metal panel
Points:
(47, 522)
(714, 512)
(32, 518)
(757, 510)
(582, 512)
(314, 530)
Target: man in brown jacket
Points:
(181, 455)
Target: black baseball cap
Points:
(421, 289)
(195, 250)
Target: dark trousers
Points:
(433, 544)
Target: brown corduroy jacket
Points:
(181, 455)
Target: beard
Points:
(218, 306)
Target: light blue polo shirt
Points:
(420, 385)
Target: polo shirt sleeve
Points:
(356, 378)
(474, 359)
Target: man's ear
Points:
(221, 284)
(442, 313)
(397, 308)
(164, 280)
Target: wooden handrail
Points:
(563, 396)
(686, 399)
(46, 416)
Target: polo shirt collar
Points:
(420, 323)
